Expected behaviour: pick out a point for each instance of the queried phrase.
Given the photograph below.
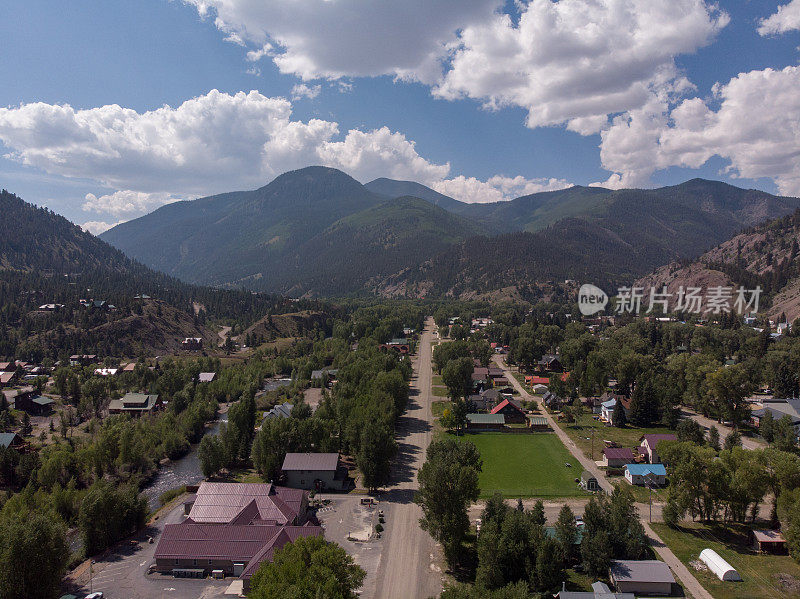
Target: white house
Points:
(650, 443)
(639, 474)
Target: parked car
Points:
(97, 595)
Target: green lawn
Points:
(525, 465)
(439, 391)
(438, 408)
(436, 380)
(581, 433)
(761, 574)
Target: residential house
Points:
(642, 577)
(480, 375)
(552, 401)
(28, 400)
(589, 481)
(495, 373)
(7, 378)
(8, 366)
(486, 421)
(206, 377)
(642, 474)
(512, 410)
(650, 443)
(82, 359)
(232, 529)
(192, 343)
(594, 404)
(314, 471)
(105, 371)
(551, 363)
(400, 345)
(129, 367)
(617, 457)
(540, 389)
(50, 307)
(486, 400)
(283, 410)
(537, 380)
(607, 406)
(778, 408)
(135, 403)
(11, 440)
(326, 375)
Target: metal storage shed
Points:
(722, 569)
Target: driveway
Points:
(724, 431)
(409, 561)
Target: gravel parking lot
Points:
(345, 516)
(121, 573)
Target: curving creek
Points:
(186, 470)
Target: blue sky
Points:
(450, 93)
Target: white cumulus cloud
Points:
(95, 227)
(787, 18)
(578, 61)
(753, 121)
(497, 188)
(329, 39)
(301, 90)
(126, 202)
(571, 61)
(209, 144)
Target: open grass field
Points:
(773, 576)
(439, 391)
(525, 465)
(581, 433)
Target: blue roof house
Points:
(641, 474)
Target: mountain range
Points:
(45, 259)
(318, 231)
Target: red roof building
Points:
(616, 457)
(232, 528)
(512, 410)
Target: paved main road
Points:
(687, 579)
(408, 565)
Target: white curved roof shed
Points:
(722, 569)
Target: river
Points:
(185, 471)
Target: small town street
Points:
(409, 564)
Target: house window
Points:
(211, 561)
(194, 562)
(177, 561)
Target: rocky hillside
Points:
(282, 326)
(766, 255)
